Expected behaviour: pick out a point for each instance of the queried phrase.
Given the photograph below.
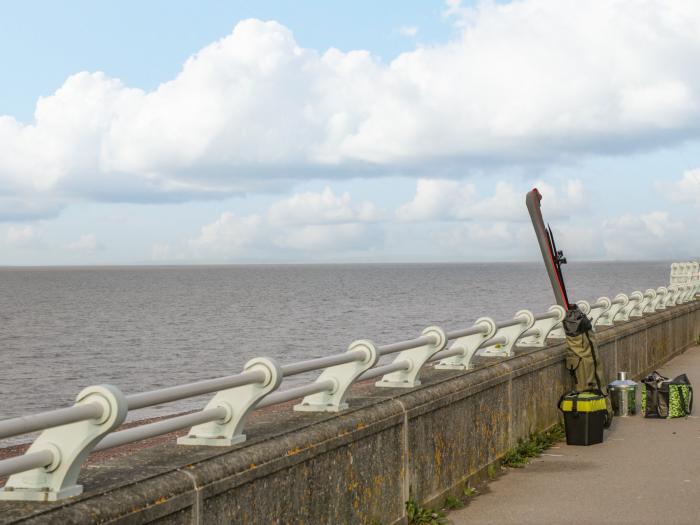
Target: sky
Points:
(172, 132)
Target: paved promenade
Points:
(646, 472)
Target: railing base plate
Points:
(309, 407)
(20, 494)
(211, 442)
(446, 366)
(397, 384)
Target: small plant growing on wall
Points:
(492, 471)
(520, 455)
(451, 502)
(418, 515)
(470, 491)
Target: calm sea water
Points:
(145, 328)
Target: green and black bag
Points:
(666, 398)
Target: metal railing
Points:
(49, 469)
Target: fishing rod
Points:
(553, 258)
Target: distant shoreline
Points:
(147, 266)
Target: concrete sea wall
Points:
(363, 464)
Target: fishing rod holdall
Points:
(582, 360)
(576, 322)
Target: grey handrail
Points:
(62, 416)
(295, 393)
(385, 369)
(444, 354)
(175, 393)
(321, 362)
(159, 428)
(26, 462)
(546, 315)
(499, 340)
(473, 330)
(506, 324)
(405, 345)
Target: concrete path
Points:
(646, 472)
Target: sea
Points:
(143, 328)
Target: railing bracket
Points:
(69, 445)
(342, 377)
(469, 345)
(238, 402)
(416, 357)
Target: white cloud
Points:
(409, 31)
(629, 236)
(521, 81)
(505, 204)
(229, 231)
(644, 236)
(458, 13)
(475, 237)
(687, 189)
(304, 222)
(320, 208)
(439, 199)
(562, 201)
(327, 237)
(161, 252)
(20, 235)
(580, 241)
(87, 243)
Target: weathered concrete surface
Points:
(647, 471)
(360, 465)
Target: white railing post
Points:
(626, 311)
(584, 306)
(237, 403)
(510, 335)
(647, 305)
(618, 302)
(689, 292)
(687, 271)
(542, 328)
(557, 332)
(468, 345)
(694, 271)
(69, 446)
(683, 288)
(342, 377)
(416, 358)
(675, 274)
(679, 296)
(672, 296)
(602, 305)
(661, 296)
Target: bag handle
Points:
(687, 408)
(655, 400)
(574, 402)
(561, 399)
